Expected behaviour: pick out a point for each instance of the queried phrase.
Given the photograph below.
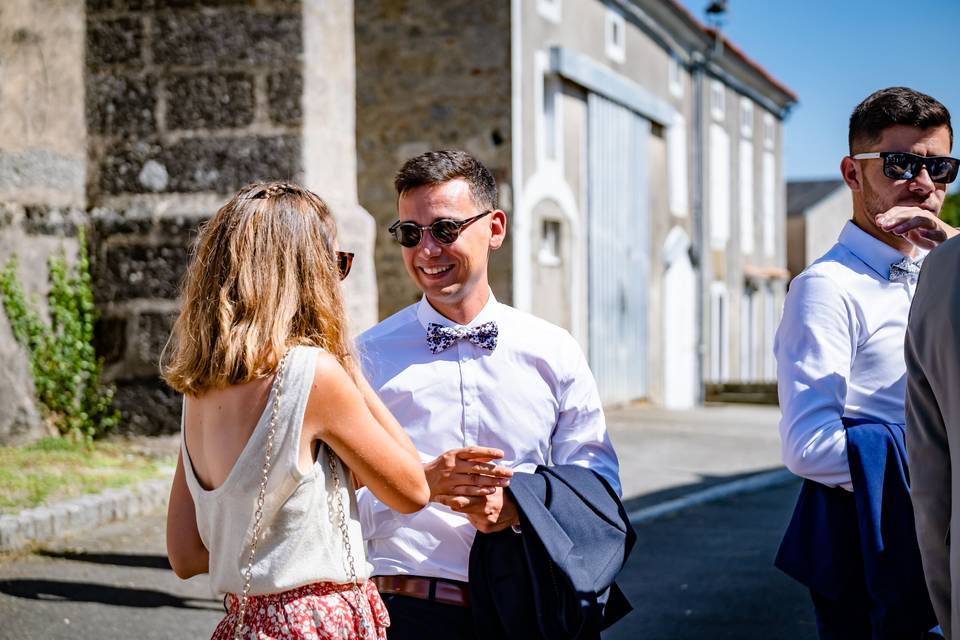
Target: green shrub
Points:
(66, 370)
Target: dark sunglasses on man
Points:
(443, 230)
(900, 165)
(344, 262)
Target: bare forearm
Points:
(187, 554)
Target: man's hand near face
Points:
(919, 226)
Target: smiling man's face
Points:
(452, 276)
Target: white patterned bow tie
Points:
(906, 270)
(440, 337)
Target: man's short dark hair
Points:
(892, 106)
(437, 167)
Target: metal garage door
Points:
(619, 248)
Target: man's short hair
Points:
(437, 167)
(894, 106)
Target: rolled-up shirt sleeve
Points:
(580, 436)
(814, 347)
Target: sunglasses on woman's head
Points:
(900, 165)
(344, 262)
(443, 230)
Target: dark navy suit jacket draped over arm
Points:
(555, 579)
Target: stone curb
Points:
(52, 521)
(49, 522)
(730, 489)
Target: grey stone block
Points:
(42, 522)
(120, 166)
(121, 104)
(226, 164)
(10, 536)
(57, 221)
(88, 512)
(109, 222)
(148, 405)
(114, 41)
(210, 100)
(198, 4)
(110, 338)
(221, 165)
(99, 6)
(285, 96)
(26, 527)
(132, 271)
(227, 38)
(152, 332)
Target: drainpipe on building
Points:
(697, 68)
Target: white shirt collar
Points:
(874, 253)
(427, 314)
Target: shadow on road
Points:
(707, 481)
(117, 559)
(52, 590)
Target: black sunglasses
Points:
(900, 165)
(344, 262)
(443, 230)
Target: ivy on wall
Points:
(65, 367)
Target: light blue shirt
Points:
(839, 351)
(533, 397)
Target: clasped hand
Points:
(469, 483)
(918, 226)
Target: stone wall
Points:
(430, 76)
(42, 168)
(186, 102)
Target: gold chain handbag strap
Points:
(362, 605)
(258, 518)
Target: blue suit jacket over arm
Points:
(844, 545)
(556, 579)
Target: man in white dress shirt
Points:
(481, 388)
(839, 346)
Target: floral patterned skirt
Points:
(318, 611)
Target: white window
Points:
(675, 76)
(769, 131)
(769, 203)
(549, 9)
(548, 121)
(549, 254)
(746, 196)
(746, 117)
(718, 100)
(748, 335)
(615, 29)
(677, 166)
(719, 352)
(771, 318)
(719, 177)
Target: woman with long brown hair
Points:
(277, 426)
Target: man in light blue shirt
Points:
(839, 350)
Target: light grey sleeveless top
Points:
(300, 540)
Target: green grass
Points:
(55, 469)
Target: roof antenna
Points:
(716, 12)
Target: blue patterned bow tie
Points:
(440, 337)
(906, 270)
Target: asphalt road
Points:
(703, 574)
